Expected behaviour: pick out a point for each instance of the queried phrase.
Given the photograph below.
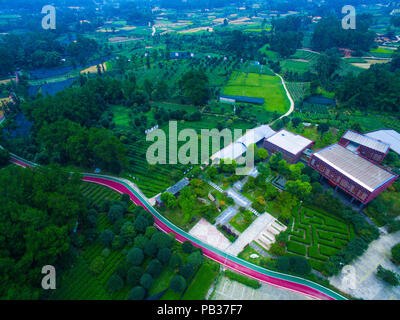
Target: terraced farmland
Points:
(317, 236)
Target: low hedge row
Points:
(314, 253)
(296, 248)
(242, 279)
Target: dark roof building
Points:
(367, 147)
(243, 99)
(356, 175)
(175, 189)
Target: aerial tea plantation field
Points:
(317, 236)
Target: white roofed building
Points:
(391, 137)
(289, 144)
(240, 145)
(356, 175)
(364, 145)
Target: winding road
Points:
(244, 267)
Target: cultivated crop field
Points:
(299, 66)
(297, 90)
(317, 236)
(260, 86)
(305, 55)
(97, 193)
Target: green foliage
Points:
(168, 199)
(4, 157)
(396, 253)
(194, 85)
(178, 283)
(146, 281)
(388, 276)
(97, 265)
(299, 265)
(137, 293)
(115, 213)
(107, 237)
(133, 275)
(242, 279)
(277, 250)
(187, 247)
(195, 258)
(135, 256)
(164, 255)
(186, 270)
(154, 267)
(175, 261)
(282, 263)
(33, 231)
(115, 283)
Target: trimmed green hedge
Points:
(296, 248)
(242, 279)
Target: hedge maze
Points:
(317, 236)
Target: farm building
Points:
(356, 175)
(367, 147)
(243, 99)
(175, 189)
(239, 146)
(391, 137)
(289, 144)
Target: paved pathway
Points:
(291, 109)
(212, 184)
(239, 199)
(250, 233)
(233, 290)
(366, 285)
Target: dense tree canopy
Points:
(39, 210)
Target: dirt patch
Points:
(128, 28)
(193, 30)
(5, 81)
(93, 69)
(367, 65)
(122, 39)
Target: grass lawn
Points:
(260, 86)
(199, 286)
(242, 220)
(171, 295)
(296, 66)
(162, 281)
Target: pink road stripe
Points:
(212, 255)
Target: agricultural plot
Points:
(297, 90)
(375, 122)
(97, 193)
(307, 107)
(260, 86)
(305, 55)
(296, 65)
(317, 236)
